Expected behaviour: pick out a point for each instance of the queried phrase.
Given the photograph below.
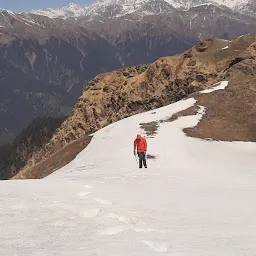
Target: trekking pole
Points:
(136, 158)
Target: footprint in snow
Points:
(91, 213)
(120, 229)
(130, 223)
(88, 186)
(119, 218)
(83, 194)
(114, 230)
(103, 201)
(157, 246)
(100, 182)
(63, 224)
(143, 230)
(123, 219)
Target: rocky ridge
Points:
(122, 93)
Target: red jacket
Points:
(140, 144)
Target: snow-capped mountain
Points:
(117, 8)
(247, 7)
(66, 47)
(108, 8)
(228, 3)
(71, 10)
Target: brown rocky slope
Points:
(122, 93)
(231, 114)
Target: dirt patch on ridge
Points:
(187, 112)
(150, 128)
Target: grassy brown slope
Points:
(123, 93)
(230, 114)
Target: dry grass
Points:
(233, 118)
(230, 113)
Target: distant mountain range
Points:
(48, 56)
(120, 8)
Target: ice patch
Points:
(225, 48)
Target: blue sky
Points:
(26, 5)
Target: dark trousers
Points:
(142, 159)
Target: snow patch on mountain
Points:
(24, 18)
(71, 10)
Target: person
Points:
(140, 145)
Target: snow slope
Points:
(196, 198)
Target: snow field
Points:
(196, 198)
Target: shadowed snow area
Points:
(196, 198)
